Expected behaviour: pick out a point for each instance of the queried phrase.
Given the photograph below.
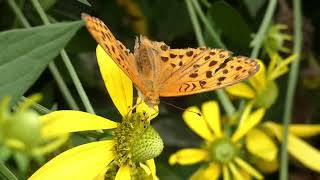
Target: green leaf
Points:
(231, 25)
(25, 53)
(85, 2)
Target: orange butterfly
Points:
(157, 70)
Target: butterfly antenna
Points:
(177, 107)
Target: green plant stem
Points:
(207, 24)
(67, 62)
(226, 103)
(38, 107)
(292, 83)
(18, 13)
(4, 171)
(52, 66)
(261, 34)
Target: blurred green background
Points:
(169, 21)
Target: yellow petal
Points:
(116, 81)
(247, 124)
(235, 172)
(304, 130)
(211, 113)
(282, 67)
(102, 174)
(261, 145)
(226, 174)
(298, 148)
(267, 166)
(82, 162)
(241, 90)
(248, 168)
(143, 107)
(152, 166)
(259, 80)
(211, 172)
(66, 121)
(188, 156)
(197, 123)
(123, 173)
(145, 168)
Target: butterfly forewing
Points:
(115, 49)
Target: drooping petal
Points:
(267, 166)
(82, 162)
(226, 174)
(261, 145)
(235, 172)
(116, 81)
(188, 156)
(211, 172)
(152, 166)
(123, 173)
(248, 168)
(241, 90)
(259, 80)
(282, 67)
(143, 107)
(298, 148)
(211, 113)
(66, 121)
(304, 130)
(197, 123)
(246, 125)
(145, 168)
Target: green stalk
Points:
(52, 66)
(261, 34)
(4, 171)
(207, 24)
(226, 103)
(67, 62)
(292, 83)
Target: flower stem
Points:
(292, 82)
(67, 62)
(226, 103)
(207, 24)
(261, 34)
(52, 66)
(4, 171)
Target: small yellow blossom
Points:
(221, 152)
(262, 88)
(125, 156)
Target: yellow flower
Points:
(21, 131)
(297, 147)
(123, 157)
(221, 152)
(262, 88)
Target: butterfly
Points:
(156, 70)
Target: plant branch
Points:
(292, 83)
(67, 62)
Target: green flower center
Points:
(136, 140)
(223, 150)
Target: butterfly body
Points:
(157, 70)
